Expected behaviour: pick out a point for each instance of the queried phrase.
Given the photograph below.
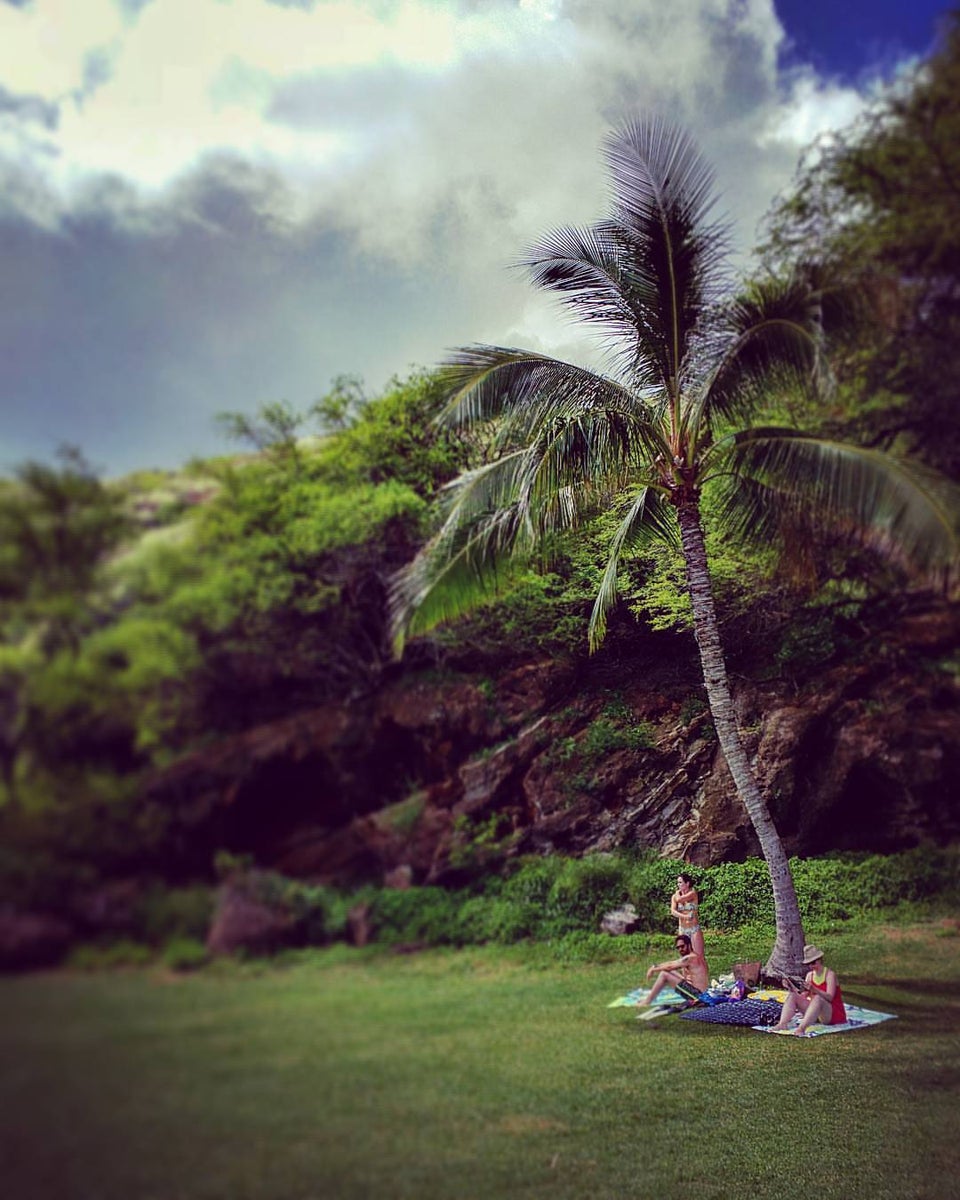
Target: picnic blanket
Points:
(667, 998)
(857, 1018)
(738, 1012)
(759, 1011)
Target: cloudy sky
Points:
(211, 204)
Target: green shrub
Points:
(651, 881)
(417, 914)
(316, 914)
(583, 890)
(95, 957)
(825, 889)
(562, 900)
(165, 913)
(735, 894)
(183, 954)
(320, 913)
(531, 878)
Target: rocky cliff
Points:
(437, 773)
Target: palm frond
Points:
(771, 339)
(506, 510)
(663, 192)
(485, 382)
(558, 477)
(897, 507)
(594, 274)
(649, 518)
(455, 571)
(523, 392)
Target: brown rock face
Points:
(443, 772)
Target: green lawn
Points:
(479, 1073)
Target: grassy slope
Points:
(473, 1074)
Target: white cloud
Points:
(44, 48)
(812, 107)
(281, 191)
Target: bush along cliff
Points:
(230, 691)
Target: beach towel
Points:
(857, 1018)
(667, 998)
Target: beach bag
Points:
(749, 972)
(739, 990)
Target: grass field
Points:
(473, 1074)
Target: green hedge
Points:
(555, 897)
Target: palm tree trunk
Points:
(787, 952)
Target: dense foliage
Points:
(142, 618)
(879, 202)
(544, 899)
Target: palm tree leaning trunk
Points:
(788, 947)
(690, 365)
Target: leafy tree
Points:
(395, 437)
(691, 368)
(57, 526)
(339, 408)
(880, 202)
(273, 432)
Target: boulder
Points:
(30, 939)
(242, 921)
(620, 921)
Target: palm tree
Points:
(687, 373)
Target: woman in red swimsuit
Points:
(821, 1000)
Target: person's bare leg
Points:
(790, 1006)
(817, 1010)
(663, 979)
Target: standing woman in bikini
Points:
(685, 906)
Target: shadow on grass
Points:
(921, 1001)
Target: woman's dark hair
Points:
(686, 878)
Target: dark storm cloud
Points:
(32, 109)
(133, 307)
(161, 316)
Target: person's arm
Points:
(669, 966)
(791, 986)
(674, 901)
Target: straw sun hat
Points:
(811, 954)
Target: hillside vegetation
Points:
(157, 617)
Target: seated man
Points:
(690, 969)
(820, 999)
